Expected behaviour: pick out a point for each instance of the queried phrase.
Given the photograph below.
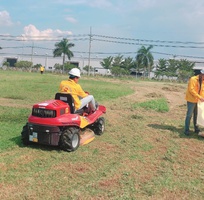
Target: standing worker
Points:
(72, 87)
(194, 93)
(41, 69)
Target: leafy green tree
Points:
(68, 67)
(6, 64)
(128, 63)
(62, 48)
(138, 68)
(145, 58)
(182, 69)
(172, 68)
(118, 71)
(185, 69)
(86, 68)
(120, 65)
(37, 66)
(24, 64)
(57, 66)
(107, 62)
(118, 60)
(161, 68)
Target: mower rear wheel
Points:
(70, 139)
(25, 135)
(99, 126)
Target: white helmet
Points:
(75, 72)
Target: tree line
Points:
(141, 65)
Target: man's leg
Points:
(88, 100)
(195, 114)
(189, 113)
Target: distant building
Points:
(11, 60)
(101, 71)
(134, 73)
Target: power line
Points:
(145, 40)
(106, 53)
(110, 39)
(145, 44)
(86, 36)
(119, 40)
(22, 38)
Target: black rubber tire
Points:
(70, 139)
(25, 135)
(99, 126)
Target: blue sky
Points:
(169, 25)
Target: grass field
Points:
(143, 153)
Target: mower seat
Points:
(67, 98)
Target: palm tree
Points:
(107, 62)
(128, 63)
(145, 58)
(63, 48)
(118, 60)
(185, 69)
(161, 68)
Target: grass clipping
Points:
(159, 105)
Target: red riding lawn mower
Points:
(56, 123)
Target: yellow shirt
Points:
(41, 68)
(73, 88)
(193, 89)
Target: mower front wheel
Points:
(70, 139)
(99, 126)
(25, 135)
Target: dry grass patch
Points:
(143, 154)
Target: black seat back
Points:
(67, 98)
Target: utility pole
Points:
(22, 47)
(46, 55)
(32, 54)
(31, 58)
(90, 38)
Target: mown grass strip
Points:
(159, 105)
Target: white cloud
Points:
(5, 19)
(32, 31)
(71, 20)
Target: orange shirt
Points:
(73, 88)
(193, 89)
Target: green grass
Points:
(33, 87)
(159, 105)
(142, 154)
(21, 88)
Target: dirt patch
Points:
(13, 103)
(143, 154)
(154, 95)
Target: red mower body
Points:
(52, 123)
